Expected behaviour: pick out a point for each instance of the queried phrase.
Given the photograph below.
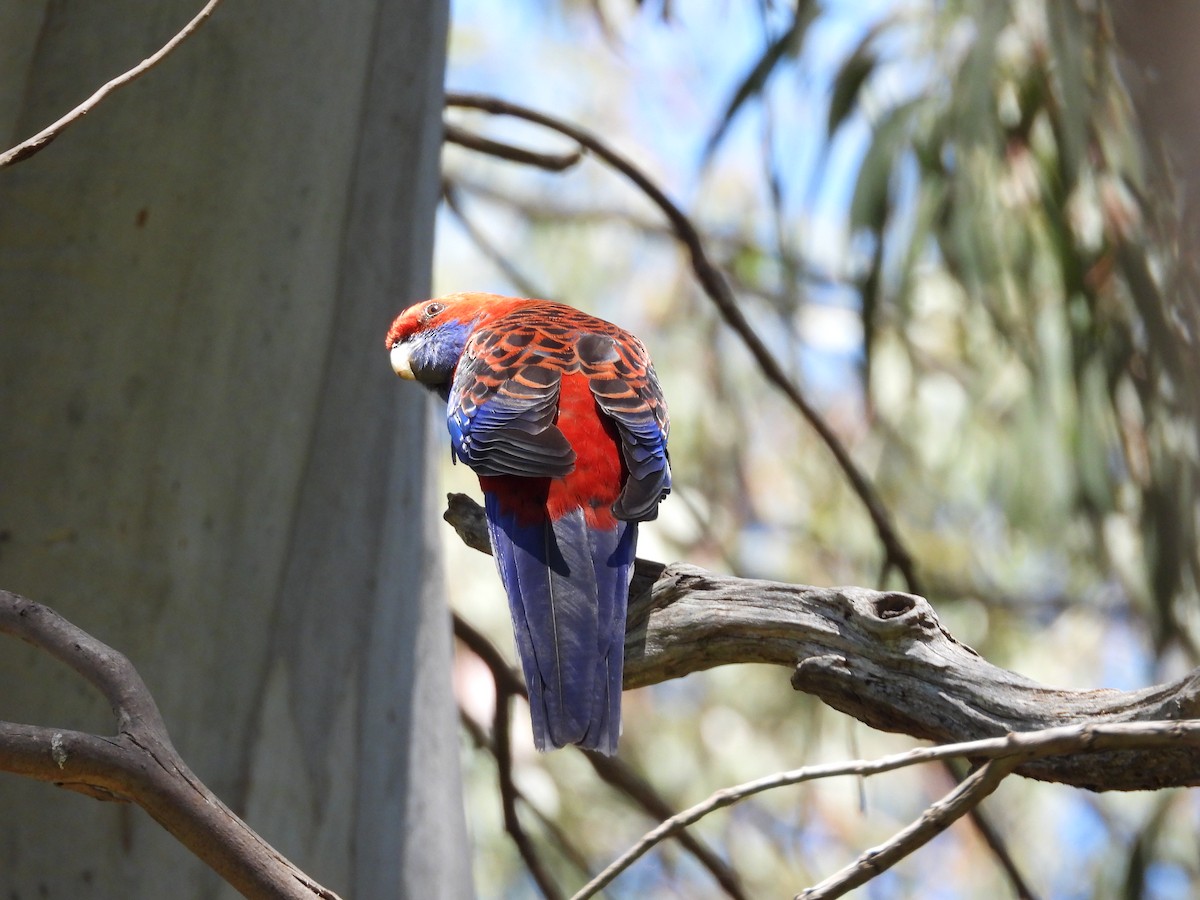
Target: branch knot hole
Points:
(893, 614)
(893, 605)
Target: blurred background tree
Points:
(956, 225)
(202, 462)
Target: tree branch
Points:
(138, 764)
(611, 769)
(966, 796)
(717, 289)
(484, 741)
(552, 162)
(39, 141)
(884, 658)
(1009, 751)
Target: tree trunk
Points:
(1163, 71)
(1158, 41)
(204, 460)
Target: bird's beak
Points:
(401, 357)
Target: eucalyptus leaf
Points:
(869, 203)
(754, 82)
(848, 83)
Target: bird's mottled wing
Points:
(623, 382)
(504, 400)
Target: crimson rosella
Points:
(561, 416)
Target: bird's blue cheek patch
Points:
(438, 353)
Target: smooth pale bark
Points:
(204, 459)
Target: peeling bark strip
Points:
(884, 658)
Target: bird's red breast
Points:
(596, 480)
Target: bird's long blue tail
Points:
(568, 588)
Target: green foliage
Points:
(1000, 204)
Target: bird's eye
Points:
(431, 310)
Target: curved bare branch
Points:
(551, 162)
(39, 141)
(138, 764)
(717, 288)
(1000, 754)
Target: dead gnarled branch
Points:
(138, 764)
(884, 658)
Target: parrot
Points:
(561, 416)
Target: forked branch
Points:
(138, 764)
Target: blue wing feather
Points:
(503, 423)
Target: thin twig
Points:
(732, 244)
(486, 247)
(483, 741)
(994, 842)
(718, 290)
(39, 141)
(1013, 749)
(553, 162)
(969, 793)
(622, 777)
(477, 642)
(508, 684)
(508, 795)
(612, 770)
